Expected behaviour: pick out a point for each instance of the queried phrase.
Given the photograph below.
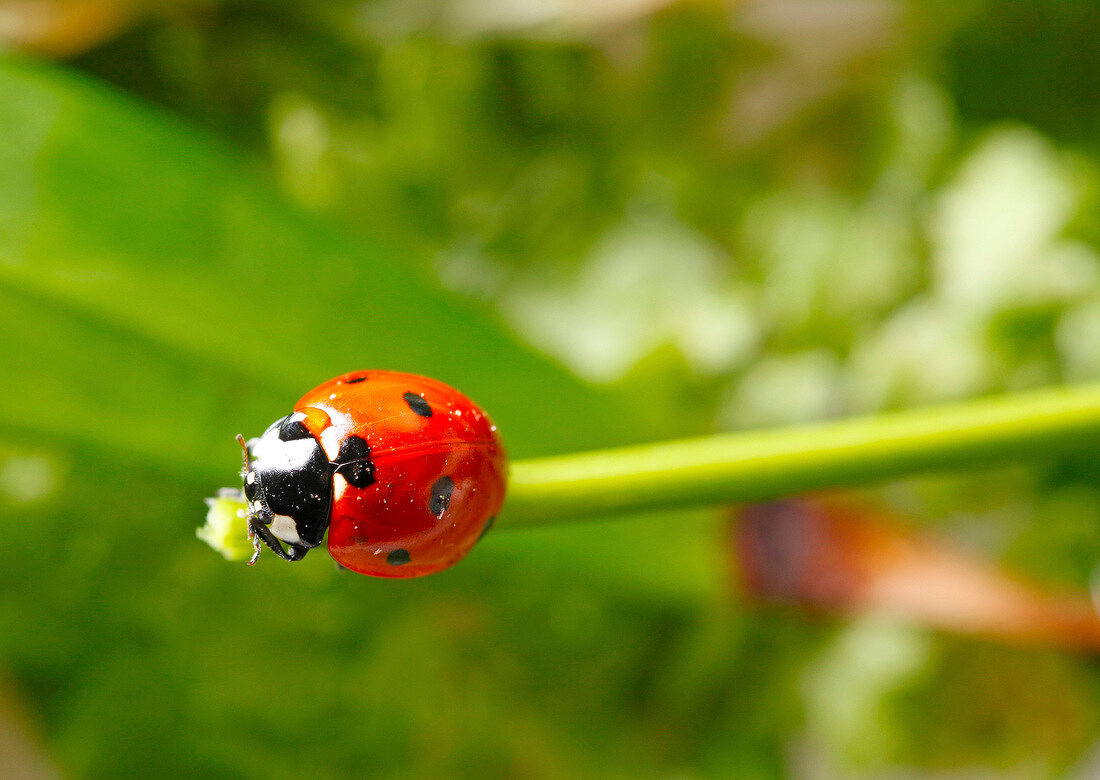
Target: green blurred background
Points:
(608, 221)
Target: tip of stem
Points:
(226, 527)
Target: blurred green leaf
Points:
(177, 294)
(156, 299)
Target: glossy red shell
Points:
(402, 525)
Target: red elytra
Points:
(413, 455)
(417, 473)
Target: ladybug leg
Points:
(255, 539)
(260, 532)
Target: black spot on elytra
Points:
(355, 380)
(442, 489)
(418, 404)
(352, 448)
(353, 462)
(292, 430)
(487, 528)
(398, 557)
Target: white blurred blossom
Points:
(996, 228)
(922, 353)
(27, 478)
(783, 389)
(651, 281)
(1078, 340)
(845, 687)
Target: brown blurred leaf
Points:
(64, 28)
(21, 754)
(843, 558)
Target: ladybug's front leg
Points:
(258, 531)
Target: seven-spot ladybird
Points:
(404, 472)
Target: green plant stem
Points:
(758, 465)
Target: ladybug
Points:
(404, 472)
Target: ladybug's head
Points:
(288, 484)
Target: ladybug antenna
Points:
(244, 446)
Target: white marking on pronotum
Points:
(286, 529)
(331, 439)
